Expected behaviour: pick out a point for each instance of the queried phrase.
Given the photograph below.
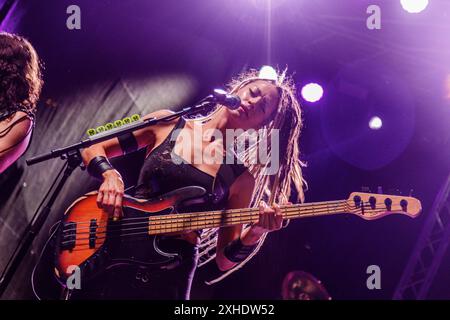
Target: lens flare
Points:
(268, 73)
(375, 123)
(414, 6)
(312, 92)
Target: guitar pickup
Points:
(93, 226)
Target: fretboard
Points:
(212, 219)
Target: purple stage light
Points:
(267, 4)
(268, 73)
(312, 92)
(375, 123)
(414, 6)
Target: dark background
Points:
(136, 56)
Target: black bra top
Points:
(160, 175)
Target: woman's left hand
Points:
(270, 219)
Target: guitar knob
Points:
(404, 205)
(388, 203)
(373, 202)
(357, 201)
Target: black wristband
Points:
(97, 166)
(236, 251)
(128, 143)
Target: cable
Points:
(52, 233)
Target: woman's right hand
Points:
(110, 194)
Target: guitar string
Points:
(165, 231)
(174, 218)
(222, 212)
(231, 211)
(287, 213)
(200, 224)
(199, 215)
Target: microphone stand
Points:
(73, 158)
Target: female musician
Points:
(20, 87)
(265, 103)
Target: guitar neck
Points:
(213, 219)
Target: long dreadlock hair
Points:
(270, 188)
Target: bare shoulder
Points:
(162, 126)
(153, 135)
(15, 138)
(20, 119)
(159, 114)
(16, 127)
(245, 181)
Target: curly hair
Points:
(20, 73)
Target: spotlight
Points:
(268, 73)
(312, 92)
(414, 6)
(267, 4)
(375, 123)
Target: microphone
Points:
(230, 101)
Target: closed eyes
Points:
(254, 92)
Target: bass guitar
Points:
(90, 240)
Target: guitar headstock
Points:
(372, 206)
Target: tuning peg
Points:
(411, 192)
(365, 189)
(380, 190)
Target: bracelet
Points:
(97, 166)
(236, 251)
